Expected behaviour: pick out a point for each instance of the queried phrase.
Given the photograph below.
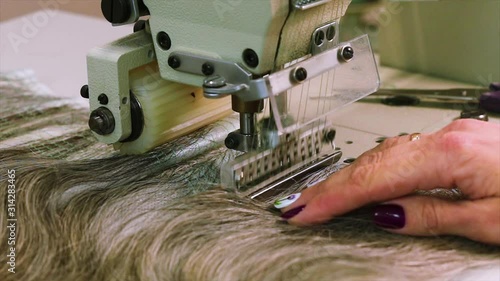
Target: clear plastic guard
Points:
(320, 96)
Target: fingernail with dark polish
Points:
(293, 212)
(390, 216)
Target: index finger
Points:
(379, 176)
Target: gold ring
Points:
(414, 136)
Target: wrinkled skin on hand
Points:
(464, 154)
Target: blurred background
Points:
(453, 39)
(14, 8)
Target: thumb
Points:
(424, 216)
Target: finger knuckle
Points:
(431, 222)
(462, 125)
(390, 142)
(370, 158)
(361, 174)
(454, 142)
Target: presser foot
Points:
(281, 184)
(261, 173)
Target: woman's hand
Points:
(465, 155)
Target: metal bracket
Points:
(253, 171)
(230, 78)
(113, 63)
(324, 38)
(308, 4)
(225, 78)
(279, 184)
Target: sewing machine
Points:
(278, 63)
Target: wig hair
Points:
(86, 213)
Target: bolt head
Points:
(231, 143)
(103, 99)
(347, 53)
(215, 82)
(96, 124)
(164, 40)
(174, 62)
(101, 121)
(251, 58)
(207, 69)
(300, 74)
(319, 38)
(84, 92)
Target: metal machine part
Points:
(101, 121)
(229, 31)
(108, 73)
(308, 4)
(261, 192)
(246, 138)
(233, 79)
(282, 82)
(251, 172)
(216, 68)
(119, 12)
(473, 99)
(324, 38)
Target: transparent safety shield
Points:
(328, 92)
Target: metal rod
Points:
(247, 123)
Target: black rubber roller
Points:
(116, 11)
